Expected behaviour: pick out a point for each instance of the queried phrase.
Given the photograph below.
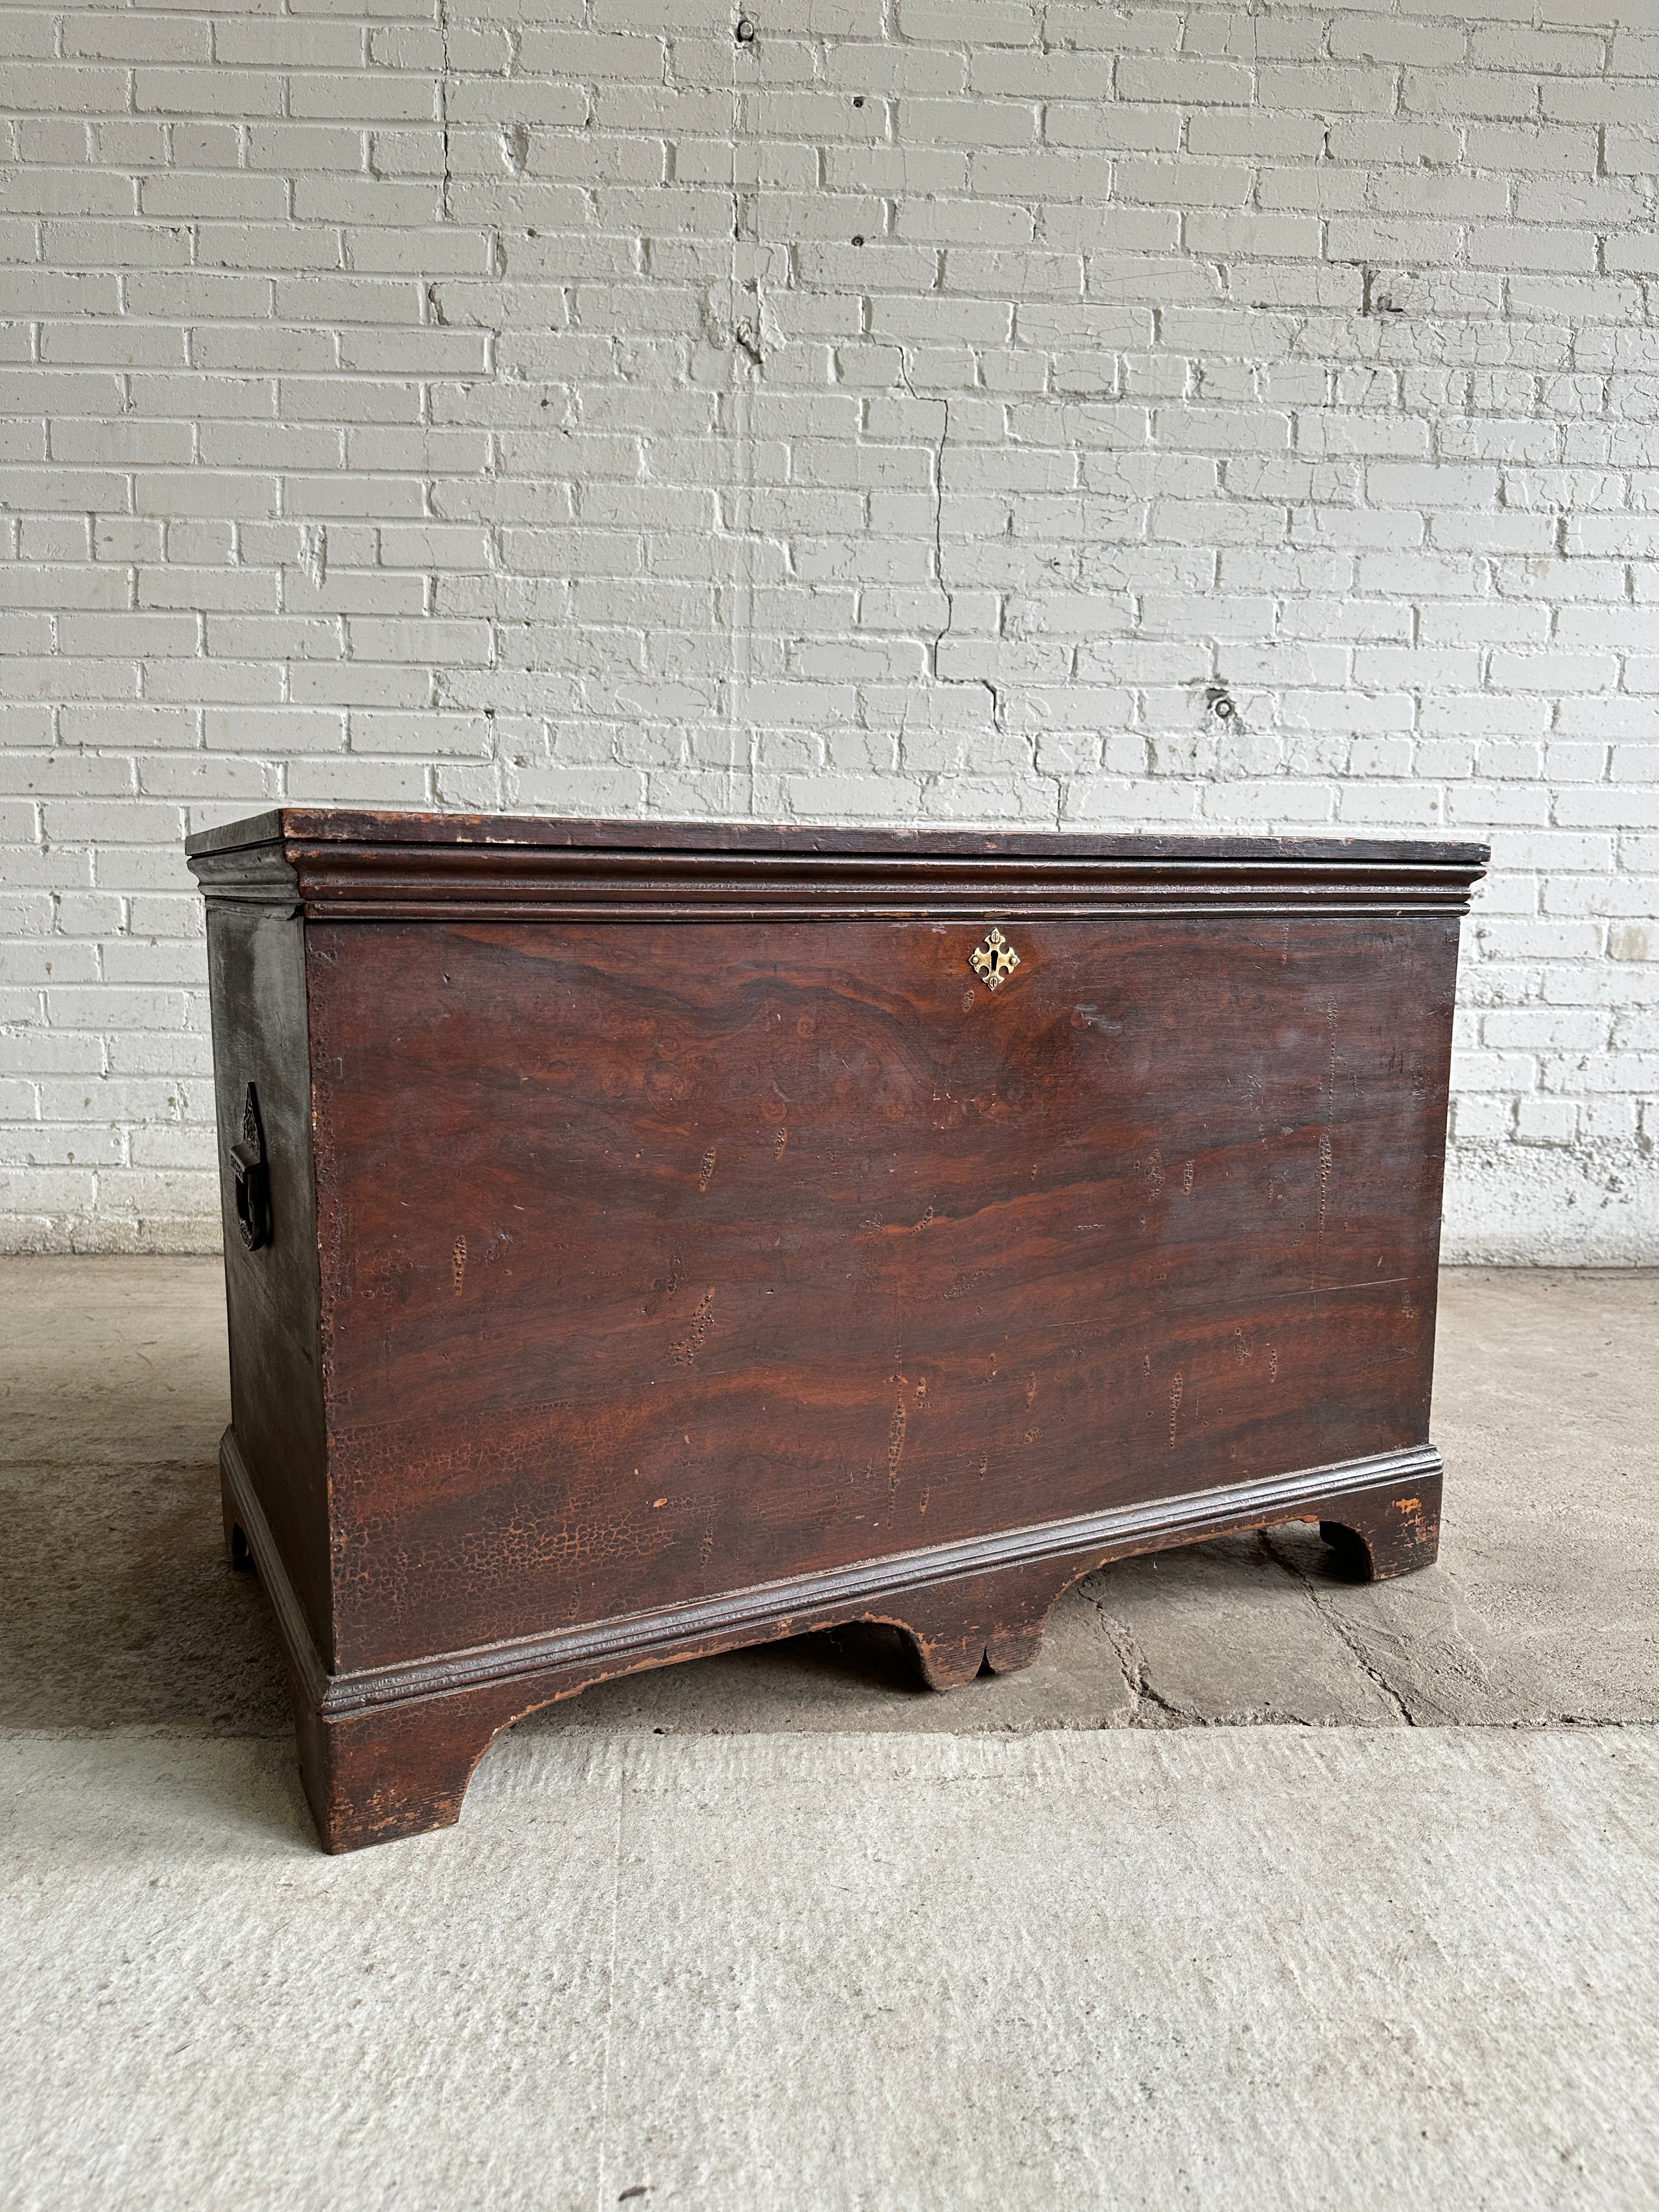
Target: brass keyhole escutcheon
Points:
(994, 961)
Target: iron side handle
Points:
(251, 1176)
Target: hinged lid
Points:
(351, 865)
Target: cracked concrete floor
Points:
(783, 1928)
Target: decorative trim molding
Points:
(803, 1602)
(310, 1677)
(347, 866)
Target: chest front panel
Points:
(661, 1258)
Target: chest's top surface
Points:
(358, 865)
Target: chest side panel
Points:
(256, 965)
(664, 1259)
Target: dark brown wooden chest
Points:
(645, 1239)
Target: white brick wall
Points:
(923, 412)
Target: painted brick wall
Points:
(960, 411)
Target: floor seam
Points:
(610, 1991)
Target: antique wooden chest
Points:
(645, 1239)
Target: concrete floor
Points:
(782, 1930)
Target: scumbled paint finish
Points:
(669, 1253)
(1221, 1155)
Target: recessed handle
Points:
(251, 1176)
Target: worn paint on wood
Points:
(674, 1238)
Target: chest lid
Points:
(355, 866)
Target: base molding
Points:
(386, 1751)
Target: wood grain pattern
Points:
(660, 1257)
